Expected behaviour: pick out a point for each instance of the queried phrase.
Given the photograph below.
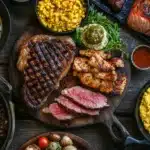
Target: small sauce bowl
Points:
(140, 57)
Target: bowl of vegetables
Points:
(56, 141)
(61, 16)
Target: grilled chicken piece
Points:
(120, 84)
(98, 62)
(117, 62)
(88, 80)
(47, 62)
(90, 53)
(111, 76)
(81, 64)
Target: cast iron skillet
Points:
(4, 14)
(137, 113)
(5, 97)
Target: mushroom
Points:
(54, 137)
(66, 141)
(70, 147)
(33, 147)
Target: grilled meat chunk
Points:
(71, 106)
(98, 62)
(90, 53)
(86, 98)
(81, 64)
(117, 62)
(112, 76)
(45, 64)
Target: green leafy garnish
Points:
(113, 30)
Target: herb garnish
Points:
(113, 30)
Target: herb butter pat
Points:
(94, 36)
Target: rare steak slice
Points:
(85, 97)
(71, 106)
(59, 112)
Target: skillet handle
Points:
(117, 130)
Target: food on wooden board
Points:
(145, 109)
(96, 70)
(64, 143)
(116, 5)
(33, 147)
(1, 26)
(141, 57)
(139, 17)
(59, 112)
(74, 107)
(44, 61)
(112, 29)
(85, 97)
(94, 36)
(75, 102)
(61, 15)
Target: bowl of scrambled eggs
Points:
(61, 16)
(142, 111)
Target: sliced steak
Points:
(59, 112)
(86, 98)
(71, 106)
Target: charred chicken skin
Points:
(97, 70)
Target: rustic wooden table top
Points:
(97, 135)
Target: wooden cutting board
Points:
(106, 115)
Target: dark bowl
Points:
(5, 99)
(137, 113)
(66, 32)
(4, 14)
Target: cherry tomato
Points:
(43, 142)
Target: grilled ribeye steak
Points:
(44, 61)
(85, 97)
(71, 106)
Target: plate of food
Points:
(73, 80)
(4, 24)
(56, 141)
(133, 14)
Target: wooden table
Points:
(97, 135)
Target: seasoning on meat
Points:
(48, 61)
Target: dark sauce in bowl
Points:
(141, 57)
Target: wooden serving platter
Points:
(106, 115)
(80, 143)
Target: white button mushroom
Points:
(66, 141)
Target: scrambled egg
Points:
(145, 110)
